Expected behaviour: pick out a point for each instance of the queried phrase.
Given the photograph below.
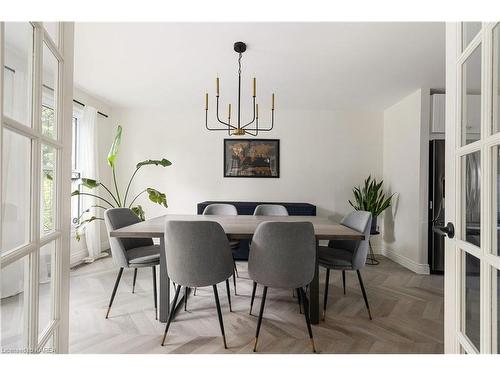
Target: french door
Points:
(36, 92)
(472, 255)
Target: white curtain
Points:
(88, 164)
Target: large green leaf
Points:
(157, 197)
(139, 211)
(163, 162)
(114, 147)
(89, 183)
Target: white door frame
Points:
(57, 329)
(455, 340)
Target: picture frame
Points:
(251, 158)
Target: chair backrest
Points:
(116, 218)
(197, 253)
(359, 221)
(222, 209)
(282, 254)
(270, 210)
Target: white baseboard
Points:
(420, 268)
(78, 255)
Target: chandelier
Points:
(238, 128)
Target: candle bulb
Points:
(254, 86)
(206, 101)
(229, 111)
(256, 110)
(217, 85)
(272, 106)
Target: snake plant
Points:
(370, 197)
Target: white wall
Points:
(323, 155)
(405, 172)
(105, 137)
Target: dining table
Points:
(236, 227)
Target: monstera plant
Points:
(112, 198)
(371, 198)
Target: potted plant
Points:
(113, 198)
(371, 198)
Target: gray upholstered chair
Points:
(283, 255)
(270, 210)
(224, 209)
(130, 252)
(347, 255)
(198, 255)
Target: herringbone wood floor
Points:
(407, 315)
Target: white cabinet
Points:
(438, 110)
(472, 113)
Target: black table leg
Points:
(314, 292)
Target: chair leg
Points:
(299, 300)
(186, 292)
(327, 283)
(364, 293)
(343, 280)
(234, 282)
(155, 292)
(219, 313)
(114, 290)
(306, 314)
(228, 295)
(135, 278)
(253, 297)
(259, 322)
(235, 268)
(172, 312)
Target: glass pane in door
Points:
(471, 198)
(49, 93)
(53, 30)
(471, 98)
(18, 71)
(12, 306)
(48, 201)
(469, 31)
(496, 80)
(495, 199)
(47, 256)
(16, 182)
(471, 303)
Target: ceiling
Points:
(310, 66)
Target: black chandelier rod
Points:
(240, 48)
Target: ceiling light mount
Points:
(238, 128)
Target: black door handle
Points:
(448, 230)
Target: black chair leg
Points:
(194, 291)
(343, 280)
(253, 297)
(234, 282)
(228, 295)
(306, 314)
(300, 303)
(235, 268)
(219, 313)
(186, 292)
(155, 292)
(114, 290)
(172, 312)
(259, 322)
(325, 300)
(364, 293)
(135, 278)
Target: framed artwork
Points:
(258, 158)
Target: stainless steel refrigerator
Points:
(436, 205)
